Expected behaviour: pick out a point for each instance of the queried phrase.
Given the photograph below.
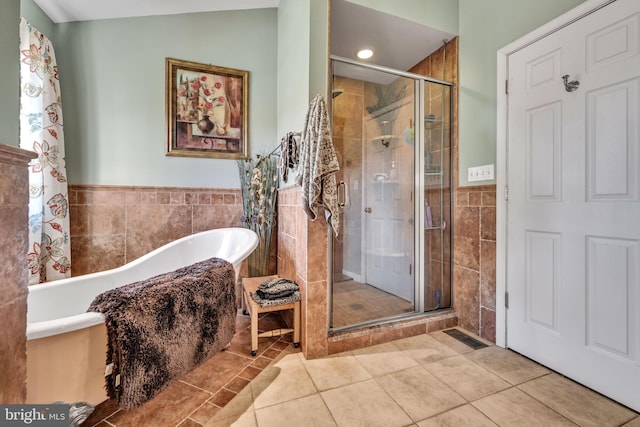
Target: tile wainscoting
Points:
(113, 225)
(474, 259)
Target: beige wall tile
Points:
(13, 351)
(151, 226)
(90, 254)
(14, 248)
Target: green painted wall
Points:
(319, 49)
(303, 57)
(438, 14)
(112, 76)
(9, 72)
(113, 88)
(293, 64)
(485, 27)
(32, 12)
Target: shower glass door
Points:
(437, 203)
(373, 116)
(392, 133)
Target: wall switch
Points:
(481, 173)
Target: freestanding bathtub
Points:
(66, 346)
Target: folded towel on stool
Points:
(273, 289)
(273, 292)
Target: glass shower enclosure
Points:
(392, 133)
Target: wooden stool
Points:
(249, 286)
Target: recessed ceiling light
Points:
(365, 53)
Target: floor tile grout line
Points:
(516, 387)
(105, 419)
(196, 387)
(212, 394)
(544, 404)
(447, 410)
(200, 407)
(192, 420)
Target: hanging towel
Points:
(318, 166)
(288, 153)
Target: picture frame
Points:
(206, 110)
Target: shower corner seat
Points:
(249, 285)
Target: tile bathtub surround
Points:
(113, 225)
(14, 242)
(425, 380)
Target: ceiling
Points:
(397, 43)
(86, 10)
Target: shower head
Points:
(336, 92)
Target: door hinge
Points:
(409, 269)
(506, 193)
(506, 87)
(506, 299)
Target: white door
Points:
(573, 214)
(388, 212)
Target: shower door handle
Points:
(345, 194)
(367, 210)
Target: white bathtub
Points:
(60, 333)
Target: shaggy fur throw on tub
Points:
(161, 328)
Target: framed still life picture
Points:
(206, 110)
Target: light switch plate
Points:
(481, 173)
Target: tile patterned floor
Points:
(196, 397)
(426, 380)
(422, 381)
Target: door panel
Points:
(612, 119)
(573, 234)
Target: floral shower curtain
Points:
(49, 256)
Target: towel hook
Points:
(570, 86)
